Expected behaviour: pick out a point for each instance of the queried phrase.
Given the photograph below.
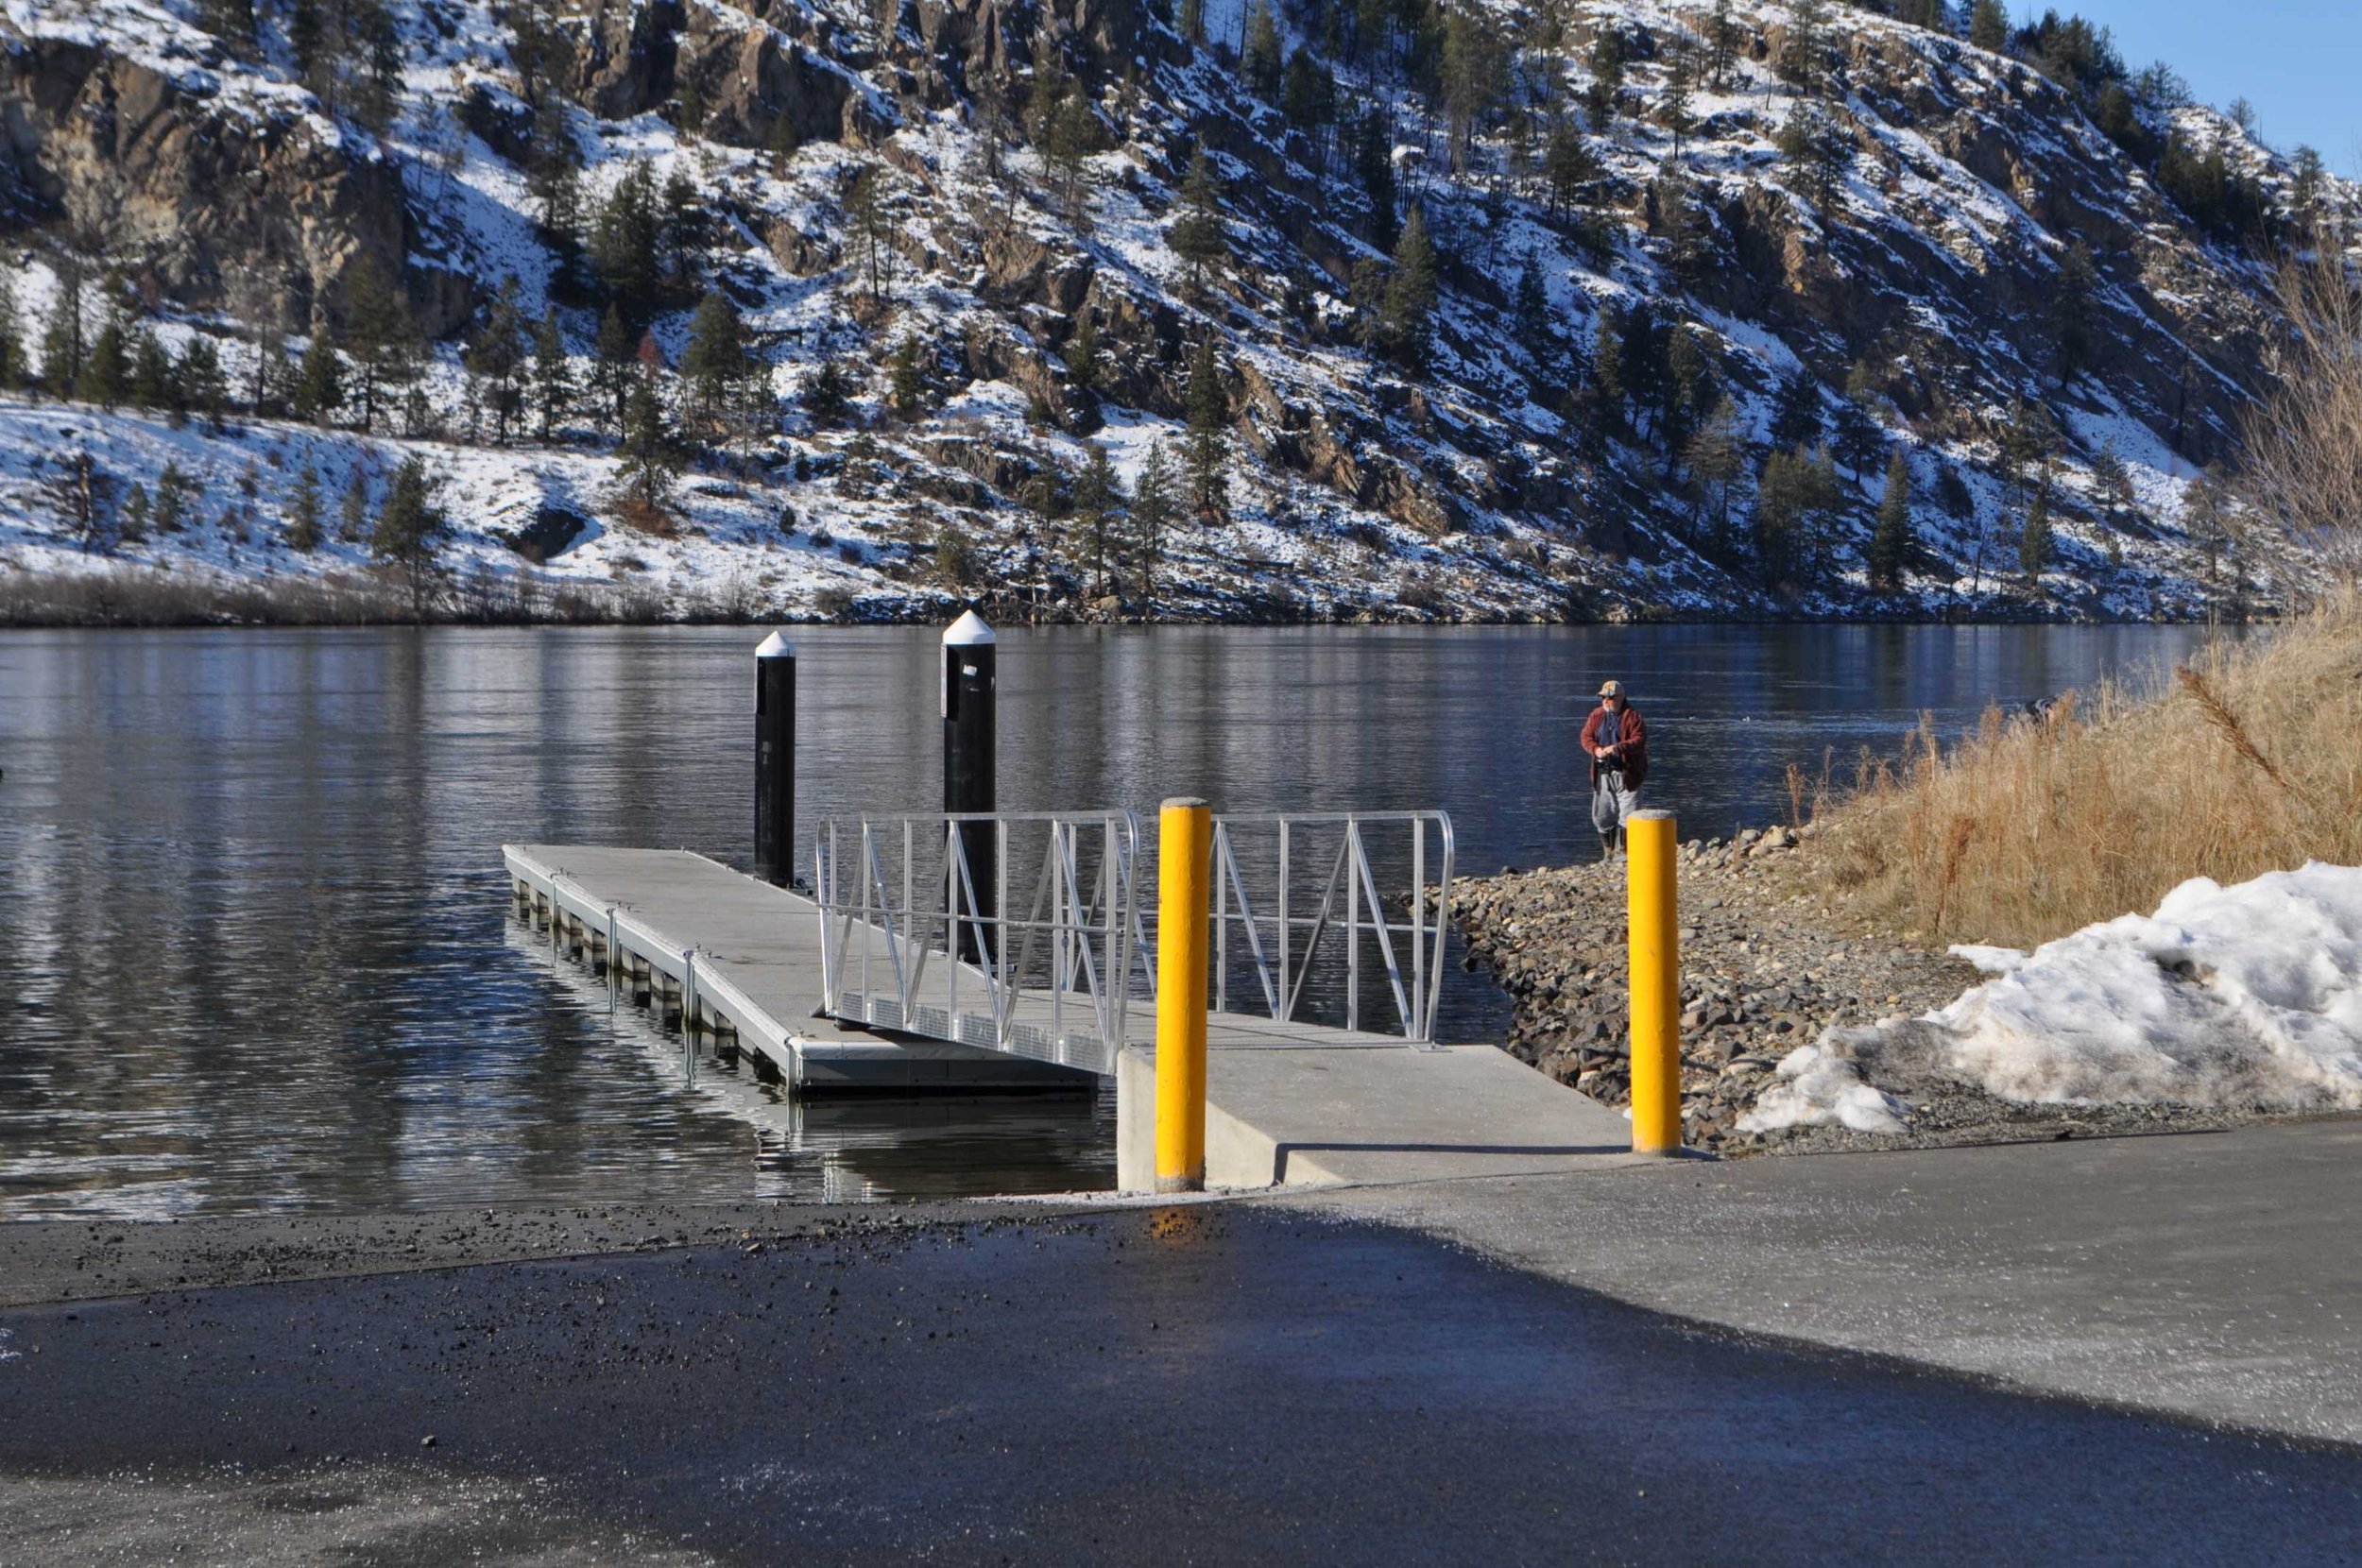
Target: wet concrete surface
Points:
(1214, 1384)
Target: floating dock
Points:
(1289, 1102)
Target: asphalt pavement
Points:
(1220, 1382)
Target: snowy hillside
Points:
(1409, 310)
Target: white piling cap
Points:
(968, 630)
(776, 647)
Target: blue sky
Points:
(2295, 60)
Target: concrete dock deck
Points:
(1288, 1103)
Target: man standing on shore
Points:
(1618, 742)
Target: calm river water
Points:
(251, 904)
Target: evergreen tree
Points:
(1860, 438)
(906, 384)
(1098, 496)
(1675, 108)
(781, 143)
(1259, 62)
(1073, 135)
(153, 384)
(82, 493)
(1198, 237)
(1206, 456)
(495, 361)
(552, 374)
(233, 21)
(410, 531)
(1535, 329)
(376, 64)
(1795, 493)
(380, 336)
(319, 388)
(1473, 71)
(826, 400)
(1156, 502)
(62, 344)
(1796, 418)
(1806, 41)
(1374, 164)
(1192, 22)
(1722, 44)
(15, 371)
(2114, 483)
(304, 509)
(1568, 167)
(611, 368)
(1406, 319)
(1607, 75)
(554, 172)
(352, 510)
(1890, 541)
(1081, 352)
(865, 209)
(131, 521)
(200, 375)
(1607, 365)
(2034, 539)
(106, 376)
(650, 458)
(1689, 391)
(172, 500)
(1717, 456)
(681, 229)
(1813, 153)
(627, 243)
(1989, 26)
(1680, 220)
(716, 364)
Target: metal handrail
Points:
(1282, 982)
(1073, 951)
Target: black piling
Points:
(968, 649)
(775, 760)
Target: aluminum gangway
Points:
(1061, 968)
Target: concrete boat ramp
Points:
(1287, 1102)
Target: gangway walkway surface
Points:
(1287, 1101)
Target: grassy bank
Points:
(2248, 760)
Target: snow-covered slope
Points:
(1920, 247)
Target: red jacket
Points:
(1634, 743)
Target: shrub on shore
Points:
(2033, 826)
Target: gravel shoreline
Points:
(1764, 967)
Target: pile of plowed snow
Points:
(2234, 997)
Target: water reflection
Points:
(250, 895)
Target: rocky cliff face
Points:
(1948, 261)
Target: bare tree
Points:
(2304, 439)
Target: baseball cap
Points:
(1613, 688)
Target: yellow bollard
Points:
(1184, 866)
(1652, 911)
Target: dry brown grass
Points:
(2251, 761)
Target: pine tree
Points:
(1722, 44)
(552, 375)
(15, 372)
(352, 510)
(1608, 364)
(1406, 319)
(1568, 166)
(1192, 22)
(1801, 50)
(319, 388)
(1081, 352)
(781, 143)
(200, 375)
(410, 531)
(1716, 456)
(1989, 26)
(304, 509)
(1373, 165)
(866, 209)
(1098, 495)
(715, 365)
(2034, 539)
(681, 227)
(611, 368)
(827, 400)
(131, 521)
(82, 493)
(1198, 237)
(106, 375)
(380, 336)
(172, 499)
(650, 459)
(62, 344)
(233, 21)
(1607, 77)
(1259, 64)
(1535, 329)
(1796, 418)
(627, 243)
(153, 384)
(906, 382)
(1207, 453)
(1890, 541)
(1156, 500)
(495, 360)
